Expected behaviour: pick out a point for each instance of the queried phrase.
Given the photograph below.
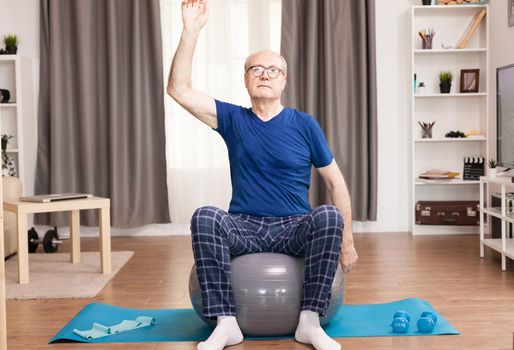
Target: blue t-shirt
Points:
(270, 162)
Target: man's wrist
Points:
(191, 31)
(348, 242)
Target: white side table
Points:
(73, 206)
(503, 245)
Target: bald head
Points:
(267, 55)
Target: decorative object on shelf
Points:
(11, 44)
(473, 168)
(491, 172)
(5, 96)
(472, 26)
(421, 88)
(469, 80)
(445, 81)
(426, 38)
(5, 141)
(415, 86)
(463, 2)
(426, 2)
(474, 133)
(511, 13)
(509, 205)
(426, 129)
(455, 134)
(8, 161)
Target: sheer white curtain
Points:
(198, 167)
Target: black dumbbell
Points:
(33, 240)
(50, 241)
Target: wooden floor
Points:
(472, 293)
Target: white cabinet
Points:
(504, 245)
(454, 111)
(11, 113)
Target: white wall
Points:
(22, 18)
(393, 84)
(393, 113)
(502, 53)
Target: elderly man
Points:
(271, 149)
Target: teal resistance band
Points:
(99, 330)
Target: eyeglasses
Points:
(258, 71)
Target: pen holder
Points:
(426, 130)
(426, 44)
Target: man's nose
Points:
(265, 75)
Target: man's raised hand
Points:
(194, 14)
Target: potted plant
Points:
(8, 166)
(11, 44)
(445, 81)
(491, 172)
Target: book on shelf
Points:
(436, 174)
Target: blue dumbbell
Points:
(403, 314)
(426, 322)
(401, 320)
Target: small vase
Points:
(5, 96)
(491, 172)
(445, 88)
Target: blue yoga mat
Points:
(368, 320)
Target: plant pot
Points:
(11, 50)
(4, 144)
(491, 172)
(445, 88)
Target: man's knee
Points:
(327, 216)
(205, 218)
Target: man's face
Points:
(265, 86)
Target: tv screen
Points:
(505, 116)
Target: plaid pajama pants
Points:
(218, 235)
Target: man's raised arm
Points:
(202, 106)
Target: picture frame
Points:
(469, 80)
(510, 10)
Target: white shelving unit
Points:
(11, 114)
(503, 245)
(452, 111)
(3, 319)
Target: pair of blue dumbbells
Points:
(401, 321)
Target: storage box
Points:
(448, 213)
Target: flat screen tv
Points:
(505, 116)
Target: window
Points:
(198, 167)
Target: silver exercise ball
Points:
(267, 291)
